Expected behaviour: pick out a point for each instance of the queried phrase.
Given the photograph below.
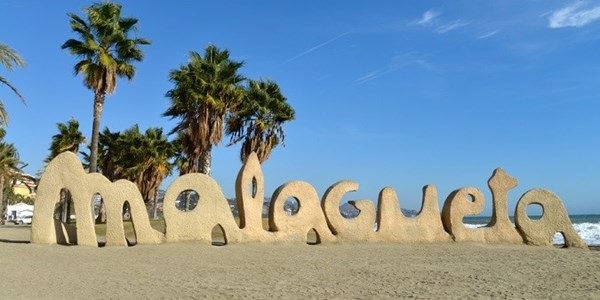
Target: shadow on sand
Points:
(14, 241)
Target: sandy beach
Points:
(263, 271)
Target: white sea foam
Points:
(474, 225)
(589, 232)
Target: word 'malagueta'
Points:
(384, 223)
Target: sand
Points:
(283, 271)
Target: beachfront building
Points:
(25, 186)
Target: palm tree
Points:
(107, 153)
(107, 53)
(9, 169)
(180, 143)
(68, 139)
(258, 122)
(182, 163)
(107, 145)
(144, 159)
(9, 58)
(156, 162)
(206, 90)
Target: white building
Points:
(18, 210)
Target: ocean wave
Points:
(589, 232)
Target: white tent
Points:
(18, 210)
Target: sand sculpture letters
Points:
(386, 223)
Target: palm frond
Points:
(10, 58)
(68, 138)
(13, 88)
(105, 46)
(3, 118)
(258, 121)
(81, 49)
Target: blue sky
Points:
(390, 93)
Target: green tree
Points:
(108, 149)
(144, 159)
(9, 58)
(107, 52)
(181, 159)
(206, 90)
(11, 198)
(107, 146)
(9, 170)
(68, 138)
(157, 162)
(258, 122)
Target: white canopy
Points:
(19, 209)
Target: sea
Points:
(587, 226)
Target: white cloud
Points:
(428, 18)
(317, 47)
(368, 77)
(574, 15)
(451, 26)
(488, 34)
(396, 63)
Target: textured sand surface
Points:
(262, 271)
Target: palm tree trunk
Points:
(98, 105)
(205, 161)
(3, 204)
(155, 207)
(66, 207)
(149, 206)
(188, 199)
(101, 219)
